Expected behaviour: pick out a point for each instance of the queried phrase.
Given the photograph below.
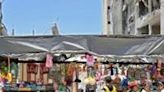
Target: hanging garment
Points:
(124, 83)
(49, 61)
(9, 77)
(98, 75)
(153, 69)
(112, 71)
(32, 69)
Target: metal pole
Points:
(8, 59)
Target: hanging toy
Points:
(49, 60)
(98, 71)
(76, 73)
(111, 69)
(159, 64)
(55, 86)
(9, 77)
(153, 70)
(98, 76)
(90, 80)
(91, 76)
(90, 59)
(123, 70)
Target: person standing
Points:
(109, 87)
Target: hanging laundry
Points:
(49, 61)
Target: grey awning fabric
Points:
(101, 45)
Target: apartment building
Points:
(133, 17)
(3, 31)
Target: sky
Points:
(73, 17)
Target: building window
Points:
(156, 29)
(108, 7)
(109, 22)
(155, 4)
(144, 30)
(143, 8)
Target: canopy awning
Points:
(98, 44)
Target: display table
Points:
(28, 87)
(27, 90)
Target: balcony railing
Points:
(146, 7)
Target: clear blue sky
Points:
(72, 16)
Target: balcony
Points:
(152, 18)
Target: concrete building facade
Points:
(3, 30)
(106, 15)
(133, 17)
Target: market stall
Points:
(48, 62)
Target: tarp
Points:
(98, 44)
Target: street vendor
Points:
(109, 87)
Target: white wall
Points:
(162, 17)
(105, 17)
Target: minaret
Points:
(55, 30)
(33, 32)
(13, 32)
